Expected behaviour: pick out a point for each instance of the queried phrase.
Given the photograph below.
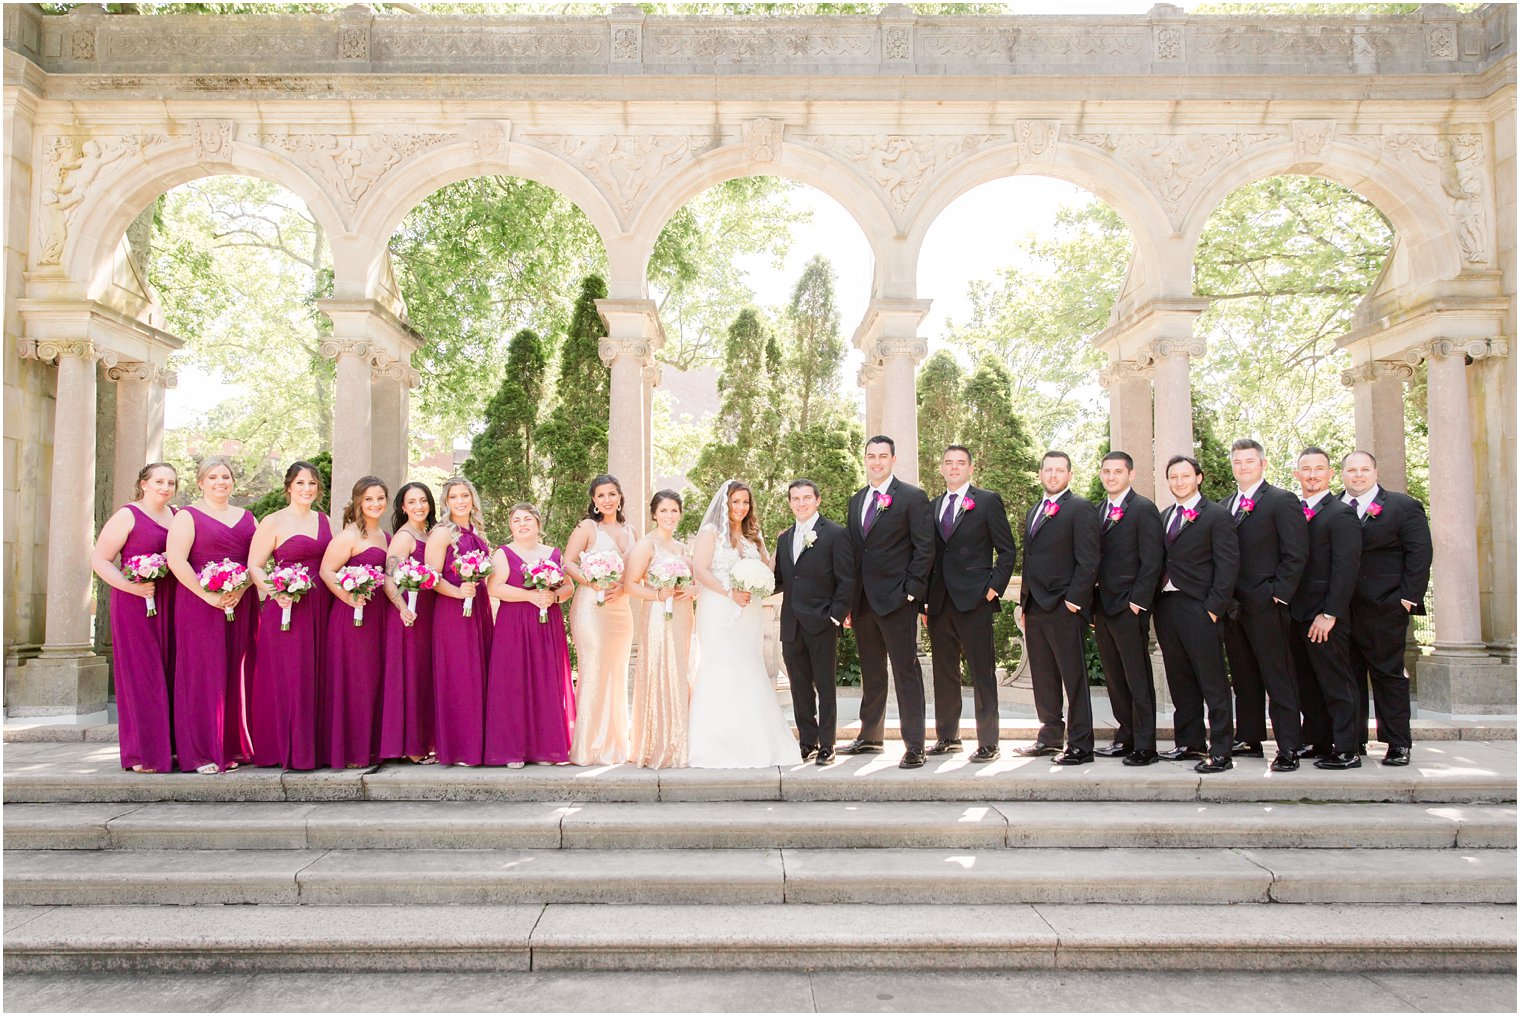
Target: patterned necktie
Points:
(1039, 517)
(1356, 508)
(1175, 526)
(947, 520)
(871, 513)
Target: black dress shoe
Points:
(945, 746)
(1247, 749)
(1073, 757)
(985, 753)
(1142, 757)
(1396, 757)
(1363, 749)
(1313, 751)
(808, 751)
(825, 756)
(1285, 762)
(1181, 754)
(1116, 750)
(1036, 749)
(860, 746)
(912, 759)
(1214, 764)
(1340, 760)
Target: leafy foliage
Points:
(501, 463)
(573, 440)
(275, 499)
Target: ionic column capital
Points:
(1121, 371)
(1377, 370)
(871, 372)
(337, 349)
(142, 370)
(1164, 349)
(53, 350)
(651, 374)
(1441, 348)
(916, 349)
(609, 349)
(383, 365)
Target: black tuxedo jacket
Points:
(965, 566)
(894, 561)
(819, 588)
(1204, 560)
(1061, 560)
(1335, 557)
(1129, 567)
(1396, 551)
(1274, 543)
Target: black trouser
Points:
(1193, 653)
(1378, 636)
(1124, 647)
(1325, 689)
(956, 634)
(895, 636)
(811, 661)
(1261, 669)
(1053, 639)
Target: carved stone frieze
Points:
(1262, 41)
(1037, 139)
(82, 44)
(1458, 164)
(749, 43)
(762, 138)
(353, 43)
(945, 42)
(1172, 163)
(897, 44)
(901, 165)
(627, 44)
(212, 139)
(489, 139)
(421, 43)
(71, 168)
(1310, 138)
(1472, 349)
(351, 164)
(625, 164)
(1167, 44)
(1046, 44)
(150, 42)
(1441, 42)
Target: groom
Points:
(815, 574)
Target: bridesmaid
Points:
(461, 645)
(661, 679)
(355, 668)
(603, 633)
(212, 656)
(140, 643)
(406, 717)
(530, 706)
(283, 697)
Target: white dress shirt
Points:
(960, 500)
(1116, 501)
(1362, 500)
(799, 535)
(1241, 495)
(1313, 502)
(865, 511)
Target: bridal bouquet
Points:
(545, 575)
(603, 570)
(669, 573)
(146, 568)
(294, 581)
(360, 580)
(412, 575)
(753, 577)
(224, 576)
(472, 566)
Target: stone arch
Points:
(1424, 228)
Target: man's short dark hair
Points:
(957, 448)
(1183, 458)
(1129, 462)
(1056, 455)
(1314, 450)
(1248, 443)
(803, 481)
(882, 439)
(1370, 457)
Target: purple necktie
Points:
(1039, 518)
(947, 521)
(871, 514)
(1354, 507)
(1176, 525)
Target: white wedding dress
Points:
(735, 720)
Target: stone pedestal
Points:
(1466, 683)
(61, 682)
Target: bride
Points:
(735, 720)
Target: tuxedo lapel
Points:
(1367, 516)
(1123, 508)
(960, 511)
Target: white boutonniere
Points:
(808, 539)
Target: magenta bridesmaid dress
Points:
(355, 675)
(406, 710)
(461, 649)
(213, 656)
(530, 707)
(141, 660)
(282, 702)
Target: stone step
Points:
(788, 875)
(1309, 937)
(1469, 772)
(440, 825)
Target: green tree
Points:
(817, 349)
(940, 413)
(572, 442)
(1212, 452)
(501, 460)
(274, 500)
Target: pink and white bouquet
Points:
(669, 573)
(410, 576)
(224, 576)
(472, 566)
(146, 568)
(294, 581)
(753, 577)
(603, 570)
(545, 575)
(360, 580)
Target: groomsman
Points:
(1273, 546)
(815, 574)
(892, 531)
(1396, 551)
(1061, 547)
(1129, 569)
(1197, 587)
(1321, 615)
(975, 559)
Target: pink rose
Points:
(1051, 509)
(884, 503)
(967, 505)
(1189, 515)
(1115, 514)
(1374, 509)
(1247, 505)
(1309, 513)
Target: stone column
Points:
(633, 335)
(1459, 677)
(651, 378)
(1130, 419)
(889, 338)
(391, 382)
(870, 378)
(1377, 392)
(372, 345)
(68, 677)
(352, 416)
(139, 421)
(1173, 387)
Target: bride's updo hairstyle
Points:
(599, 481)
(750, 527)
(664, 495)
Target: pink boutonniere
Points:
(1247, 506)
(1189, 515)
(1115, 514)
(968, 504)
(1309, 513)
(1374, 509)
(1051, 509)
(884, 502)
